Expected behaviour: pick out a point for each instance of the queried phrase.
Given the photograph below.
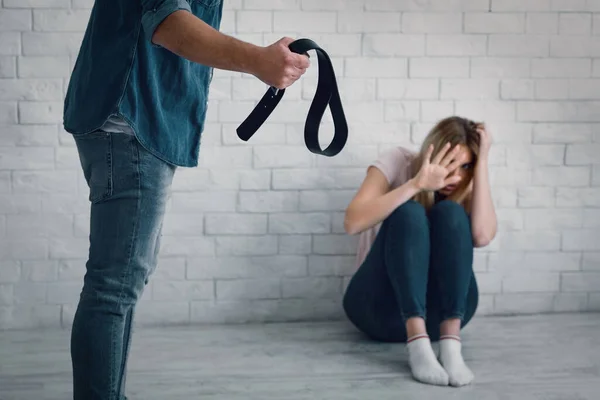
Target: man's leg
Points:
(129, 188)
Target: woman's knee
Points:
(450, 215)
(410, 215)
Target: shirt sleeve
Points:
(390, 163)
(155, 11)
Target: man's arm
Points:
(170, 24)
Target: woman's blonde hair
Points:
(457, 131)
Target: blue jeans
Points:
(128, 191)
(420, 265)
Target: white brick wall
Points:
(256, 232)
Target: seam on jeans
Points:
(126, 270)
(109, 190)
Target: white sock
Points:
(423, 363)
(452, 360)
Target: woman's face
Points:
(465, 170)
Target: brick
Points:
(431, 5)
(581, 239)
(541, 23)
(529, 282)
(44, 225)
(10, 271)
(236, 224)
(368, 22)
(168, 291)
(582, 154)
(30, 292)
(376, 67)
(596, 175)
(580, 281)
(526, 303)
(15, 20)
(263, 202)
(27, 158)
(281, 157)
(570, 302)
(517, 89)
(504, 197)
(591, 262)
(319, 5)
(402, 111)
(561, 176)
(488, 110)
(351, 89)
(54, 182)
(553, 219)
(572, 5)
(469, 89)
(5, 181)
(331, 265)
(552, 89)
(153, 313)
(510, 219)
(246, 245)
(351, 157)
(514, 262)
(272, 5)
(285, 21)
(51, 43)
(68, 247)
(187, 246)
(555, 133)
(530, 241)
(334, 244)
(32, 316)
(438, 67)
(37, 3)
(300, 223)
(325, 200)
(575, 24)
(338, 45)
(433, 111)
(60, 20)
(246, 267)
(8, 112)
(10, 43)
(42, 112)
(577, 197)
(596, 24)
(413, 89)
(183, 224)
(558, 111)
(431, 22)
(252, 289)
(29, 135)
(531, 196)
(456, 45)
(8, 67)
(500, 67)
(538, 155)
(494, 23)
(295, 244)
(520, 5)
(311, 287)
(222, 201)
(591, 218)
(518, 45)
(63, 292)
(170, 269)
(231, 157)
(561, 68)
(254, 21)
(347, 178)
(574, 46)
(71, 270)
(386, 44)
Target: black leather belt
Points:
(327, 94)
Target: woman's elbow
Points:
(351, 226)
(482, 239)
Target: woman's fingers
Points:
(440, 155)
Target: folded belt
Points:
(326, 94)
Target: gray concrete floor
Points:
(545, 357)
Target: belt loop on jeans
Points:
(327, 94)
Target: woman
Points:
(419, 217)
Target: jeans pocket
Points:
(95, 156)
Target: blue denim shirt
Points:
(120, 73)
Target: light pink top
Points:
(395, 165)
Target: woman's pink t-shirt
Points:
(395, 165)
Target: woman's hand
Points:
(485, 141)
(433, 174)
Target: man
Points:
(136, 106)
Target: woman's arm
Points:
(483, 215)
(374, 202)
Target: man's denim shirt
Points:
(119, 72)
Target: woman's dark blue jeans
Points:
(420, 265)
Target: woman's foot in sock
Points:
(423, 363)
(453, 362)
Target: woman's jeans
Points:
(420, 265)
(128, 191)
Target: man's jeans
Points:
(129, 188)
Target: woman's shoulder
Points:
(395, 163)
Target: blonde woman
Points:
(419, 217)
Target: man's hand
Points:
(278, 66)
